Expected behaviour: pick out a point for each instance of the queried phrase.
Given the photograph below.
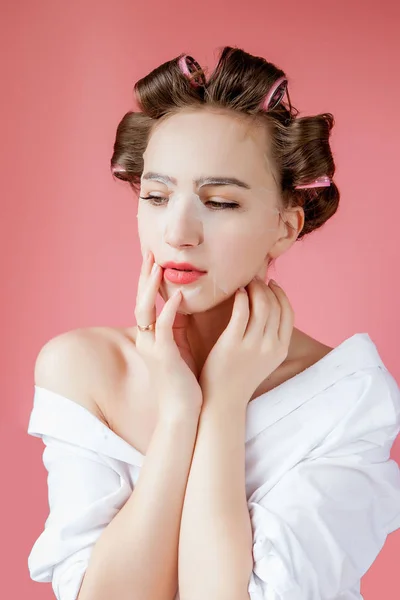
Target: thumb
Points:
(179, 330)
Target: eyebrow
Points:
(200, 181)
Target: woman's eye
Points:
(152, 199)
(157, 201)
(223, 204)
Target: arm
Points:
(215, 545)
(124, 545)
(136, 555)
(318, 530)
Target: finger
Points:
(180, 330)
(263, 306)
(145, 310)
(147, 264)
(240, 315)
(287, 315)
(274, 316)
(165, 321)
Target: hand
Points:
(254, 344)
(165, 352)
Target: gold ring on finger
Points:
(150, 327)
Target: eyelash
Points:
(225, 205)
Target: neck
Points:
(205, 328)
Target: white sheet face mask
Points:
(221, 231)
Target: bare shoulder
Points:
(86, 365)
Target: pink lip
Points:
(181, 266)
(182, 277)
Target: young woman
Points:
(216, 451)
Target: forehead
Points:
(191, 143)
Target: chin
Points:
(202, 303)
(196, 297)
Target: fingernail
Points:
(154, 268)
(273, 282)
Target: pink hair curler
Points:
(275, 94)
(188, 65)
(323, 181)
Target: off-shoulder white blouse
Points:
(322, 490)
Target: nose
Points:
(183, 225)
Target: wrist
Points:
(226, 405)
(176, 417)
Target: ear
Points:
(290, 227)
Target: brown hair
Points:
(299, 146)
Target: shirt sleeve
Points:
(320, 528)
(85, 493)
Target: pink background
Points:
(70, 251)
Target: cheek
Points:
(240, 251)
(147, 226)
(236, 260)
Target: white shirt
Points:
(322, 490)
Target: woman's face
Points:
(188, 222)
